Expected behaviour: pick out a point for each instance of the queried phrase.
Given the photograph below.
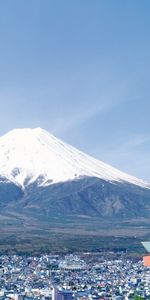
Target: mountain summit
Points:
(27, 155)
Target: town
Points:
(74, 276)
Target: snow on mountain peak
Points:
(28, 154)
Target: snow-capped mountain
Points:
(48, 186)
(29, 154)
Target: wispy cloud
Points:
(70, 121)
(90, 108)
(127, 156)
(130, 146)
(136, 142)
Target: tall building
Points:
(61, 294)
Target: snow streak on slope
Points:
(30, 153)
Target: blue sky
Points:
(81, 70)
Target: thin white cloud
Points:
(73, 120)
(127, 156)
(106, 101)
(119, 152)
(136, 142)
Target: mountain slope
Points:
(30, 154)
(9, 192)
(47, 185)
(88, 196)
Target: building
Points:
(146, 258)
(61, 294)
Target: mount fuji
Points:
(29, 154)
(48, 185)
